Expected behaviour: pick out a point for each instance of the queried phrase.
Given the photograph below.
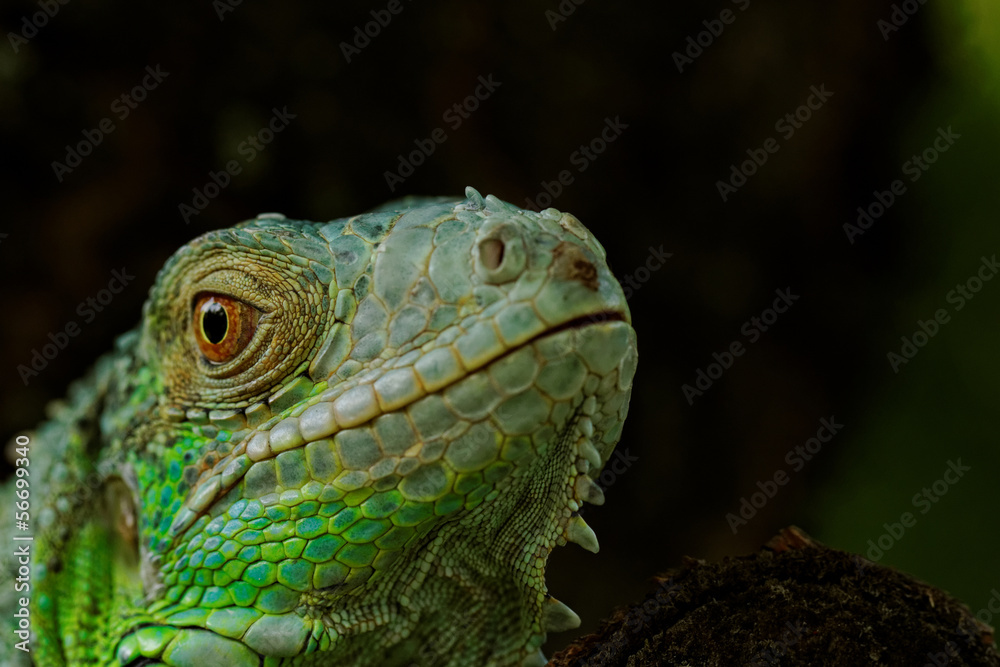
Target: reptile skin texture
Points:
(353, 442)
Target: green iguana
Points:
(343, 443)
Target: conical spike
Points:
(589, 452)
(588, 491)
(474, 197)
(557, 617)
(578, 531)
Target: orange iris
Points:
(223, 326)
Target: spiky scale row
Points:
(388, 465)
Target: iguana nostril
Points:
(500, 255)
(491, 253)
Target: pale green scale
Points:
(358, 448)
(402, 264)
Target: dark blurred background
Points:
(684, 118)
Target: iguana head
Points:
(357, 442)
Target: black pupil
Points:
(214, 322)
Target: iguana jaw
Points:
(412, 434)
(496, 549)
(368, 396)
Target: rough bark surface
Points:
(795, 602)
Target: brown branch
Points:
(795, 602)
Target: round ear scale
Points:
(223, 326)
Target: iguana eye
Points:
(223, 326)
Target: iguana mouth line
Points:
(583, 321)
(599, 317)
(261, 446)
